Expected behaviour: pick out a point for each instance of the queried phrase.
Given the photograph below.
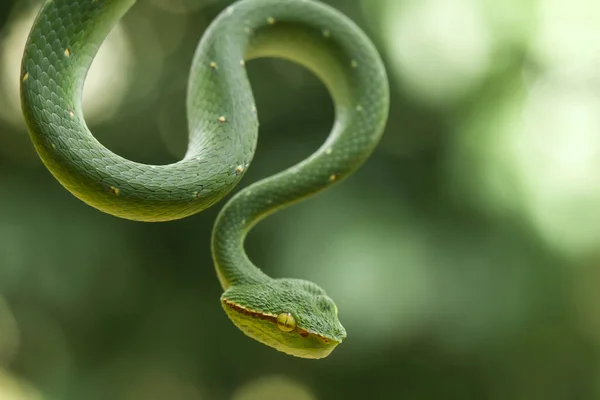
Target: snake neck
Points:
(231, 228)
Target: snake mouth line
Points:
(273, 318)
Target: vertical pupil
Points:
(286, 322)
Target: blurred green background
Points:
(463, 256)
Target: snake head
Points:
(291, 315)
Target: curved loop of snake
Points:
(292, 315)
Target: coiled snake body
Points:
(292, 315)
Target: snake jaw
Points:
(261, 326)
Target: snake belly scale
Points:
(294, 316)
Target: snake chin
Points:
(257, 310)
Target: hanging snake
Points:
(294, 316)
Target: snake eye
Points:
(286, 322)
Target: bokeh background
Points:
(463, 256)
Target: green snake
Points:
(294, 316)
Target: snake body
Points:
(292, 315)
